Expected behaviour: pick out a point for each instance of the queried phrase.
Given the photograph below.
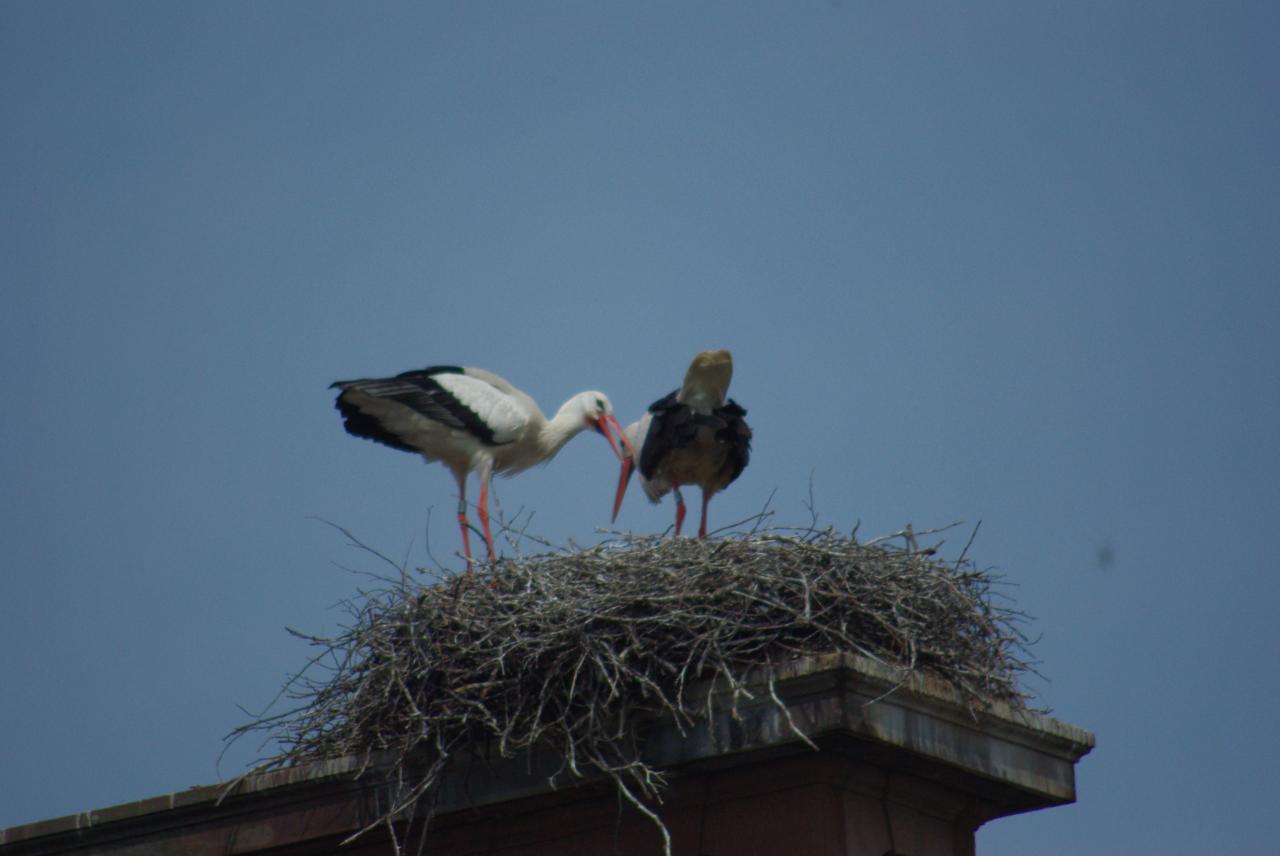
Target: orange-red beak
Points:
(612, 431)
(623, 480)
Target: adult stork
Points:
(471, 420)
(694, 435)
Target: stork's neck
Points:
(568, 422)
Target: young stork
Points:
(470, 420)
(692, 436)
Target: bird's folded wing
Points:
(453, 400)
(673, 426)
(736, 435)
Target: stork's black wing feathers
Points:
(735, 434)
(361, 424)
(671, 426)
(417, 390)
(674, 425)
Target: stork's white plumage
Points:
(471, 420)
(694, 435)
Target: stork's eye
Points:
(600, 404)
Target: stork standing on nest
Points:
(471, 420)
(693, 436)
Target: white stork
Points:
(471, 420)
(695, 435)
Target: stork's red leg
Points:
(702, 529)
(462, 517)
(680, 510)
(484, 513)
(464, 525)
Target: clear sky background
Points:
(1010, 262)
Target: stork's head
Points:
(597, 414)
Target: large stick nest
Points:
(574, 652)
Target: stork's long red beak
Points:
(623, 480)
(612, 431)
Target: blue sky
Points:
(1012, 262)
